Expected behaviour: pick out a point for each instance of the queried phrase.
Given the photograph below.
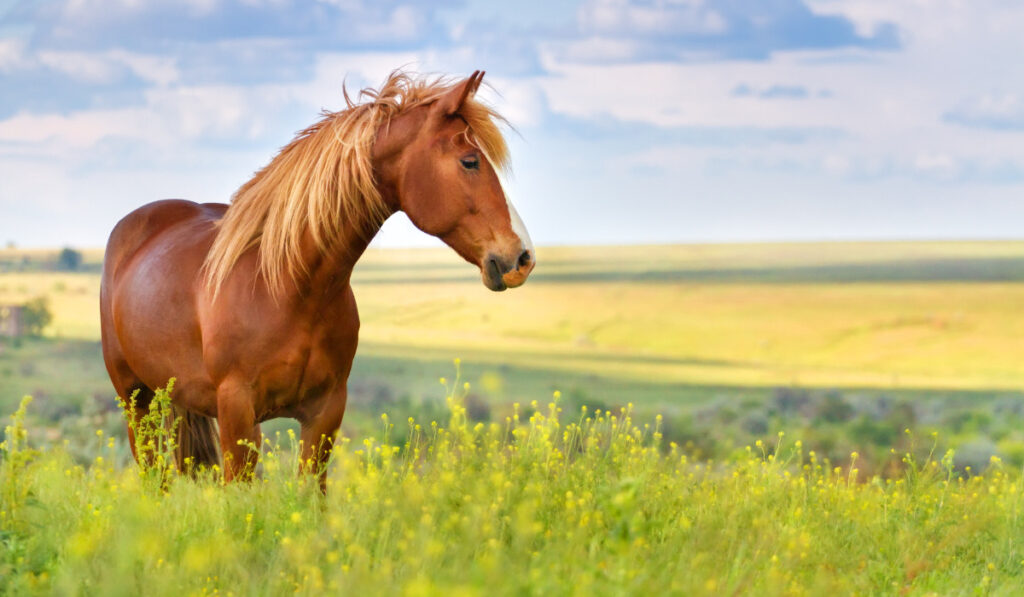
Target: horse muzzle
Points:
(499, 274)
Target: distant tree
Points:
(36, 316)
(69, 260)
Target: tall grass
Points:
(554, 503)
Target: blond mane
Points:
(324, 179)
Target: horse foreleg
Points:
(318, 433)
(239, 432)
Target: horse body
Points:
(249, 341)
(167, 317)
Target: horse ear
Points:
(451, 102)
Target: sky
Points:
(636, 121)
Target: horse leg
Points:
(128, 386)
(318, 433)
(238, 430)
(138, 408)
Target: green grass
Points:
(561, 503)
(67, 371)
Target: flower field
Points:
(584, 503)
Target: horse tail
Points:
(198, 444)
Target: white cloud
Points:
(897, 109)
(161, 70)
(836, 165)
(997, 111)
(521, 102)
(78, 130)
(938, 163)
(81, 66)
(202, 7)
(600, 49)
(923, 21)
(223, 112)
(82, 7)
(677, 18)
(403, 23)
(900, 115)
(170, 117)
(12, 54)
(91, 67)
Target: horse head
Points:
(439, 164)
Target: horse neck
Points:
(330, 273)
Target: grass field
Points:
(890, 315)
(670, 328)
(563, 503)
(845, 347)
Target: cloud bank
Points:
(659, 120)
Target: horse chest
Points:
(307, 371)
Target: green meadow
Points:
(560, 503)
(894, 371)
(652, 325)
(881, 315)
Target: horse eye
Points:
(472, 163)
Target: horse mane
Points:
(324, 178)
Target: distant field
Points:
(936, 315)
(20, 260)
(774, 262)
(944, 316)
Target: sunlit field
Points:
(886, 315)
(763, 419)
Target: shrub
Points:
(834, 408)
(36, 315)
(69, 260)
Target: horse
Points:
(249, 306)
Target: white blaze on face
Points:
(517, 223)
(523, 259)
(519, 228)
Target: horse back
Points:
(147, 223)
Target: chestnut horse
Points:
(249, 305)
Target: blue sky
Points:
(638, 120)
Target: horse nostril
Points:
(493, 267)
(525, 258)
